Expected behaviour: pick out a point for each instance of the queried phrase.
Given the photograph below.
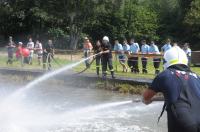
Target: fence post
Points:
(71, 55)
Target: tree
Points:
(192, 21)
(76, 14)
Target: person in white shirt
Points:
(30, 46)
(188, 52)
(39, 51)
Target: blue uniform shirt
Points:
(167, 83)
(145, 49)
(118, 47)
(126, 47)
(154, 49)
(166, 47)
(134, 48)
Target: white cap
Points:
(105, 38)
(174, 56)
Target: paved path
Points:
(90, 77)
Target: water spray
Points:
(154, 99)
(53, 73)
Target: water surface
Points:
(50, 107)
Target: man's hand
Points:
(147, 102)
(147, 96)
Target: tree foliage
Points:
(149, 19)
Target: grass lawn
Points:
(119, 72)
(62, 60)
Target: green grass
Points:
(16, 63)
(62, 60)
(118, 70)
(122, 87)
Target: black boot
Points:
(113, 75)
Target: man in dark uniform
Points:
(107, 57)
(97, 49)
(181, 90)
(48, 54)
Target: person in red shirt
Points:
(19, 55)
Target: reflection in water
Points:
(53, 108)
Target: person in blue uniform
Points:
(126, 48)
(106, 57)
(144, 50)
(167, 46)
(153, 49)
(134, 50)
(119, 51)
(181, 90)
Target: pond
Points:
(59, 107)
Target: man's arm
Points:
(147, 96)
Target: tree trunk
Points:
(74, 38)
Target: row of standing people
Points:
(126, 52)
(133, 48)
(25, 52)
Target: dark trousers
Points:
(107, 61)
(144, 65)
(156, 64)
(98, 61)
(86, 55)
(133, 64)
(10, 57)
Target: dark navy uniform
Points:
(47, 55)
(107, 59)
(181, 89)
(97, 49)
